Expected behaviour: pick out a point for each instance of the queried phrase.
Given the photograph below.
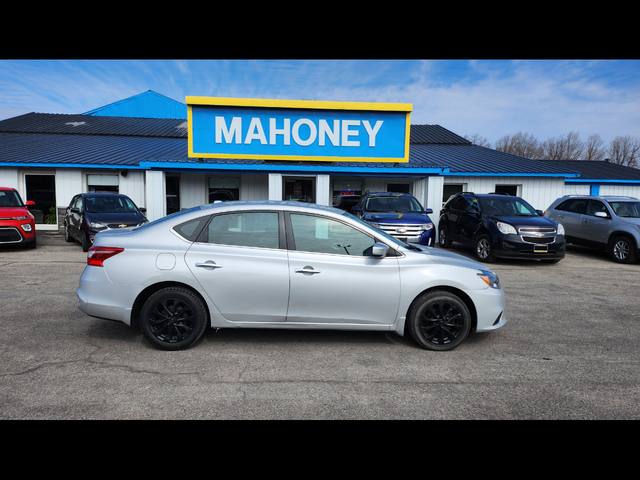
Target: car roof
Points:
(10, 189)
(388, 194)
(600, 197)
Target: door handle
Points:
(560, 216)
(306, 270)
(208, 265)
(584, 220)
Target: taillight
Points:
(97, 255)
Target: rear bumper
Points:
(98, 297)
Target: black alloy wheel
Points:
(173, 319)
(439, 321)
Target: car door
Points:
(75, 218)
(453, 216)
(468, 220)
(241, 263)
(596, 228)
(570, 216)
(334, 279)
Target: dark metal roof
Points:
(94, 125)
(435, 134)
(37, 138)
(599, 170)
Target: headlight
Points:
(561, 229)
(427, 226)
(21, 218)
(97, 225)
(506, 228)
(490, 278)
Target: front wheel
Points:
(173, 319)
(622, 250)
(483, 249)
(439, 320)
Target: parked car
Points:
(91, 213)
(607, 223)
(346, 200)
(399, 214)
(500, 226)
(283, 265)
(17, 224)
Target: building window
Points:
(508, 189)
(399, 187)
(449, 189)
(173, 194)
(224, 189)
(102, 183)
(42, 190)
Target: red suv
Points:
(17, 224)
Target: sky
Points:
(491, 98)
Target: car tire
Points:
(173, 318)
(85, 242)
(443, 237)
(67, 237)
(439, 320)
(483, 249)
(622, 249)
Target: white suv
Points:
(611, 223)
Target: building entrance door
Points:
(299, 189)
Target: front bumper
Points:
(489, 304)
(513, 247)
(13, 234)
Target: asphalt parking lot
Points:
(568, 351)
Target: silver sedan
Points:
(283, 265)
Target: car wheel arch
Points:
(455, 291)
(151, 289)
(621, 233)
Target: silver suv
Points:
(611, 223)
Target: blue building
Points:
(139, 146)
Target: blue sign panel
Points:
(298, 130)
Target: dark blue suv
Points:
(499, 225)
(399, 215)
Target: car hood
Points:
(397, 217)
(116, 218)
(449, 258)
(10, 212)
(526, 221)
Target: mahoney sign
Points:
(235, 128)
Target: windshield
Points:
(507, 206)
(393, 204)
(100, 204)
(10, 198)
(626, 209)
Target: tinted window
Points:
(248, 229)
(324, 235)
(596, 206)
(191, 229)
(100, 204)
(575, 205)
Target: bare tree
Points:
(624, 151)
(521, 144)
(478, 140)
(568, 147)
(593, 148)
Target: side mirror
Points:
(75, 210)
(30, 203)
(473, 211)
(428, 210)
(601, 214)
(355, 209)
(540, 212)
(143, 210)
(379, 250)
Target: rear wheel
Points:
(439, 320)
(85, 242)
(443, 237)
(173, 318)
(622, 249)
